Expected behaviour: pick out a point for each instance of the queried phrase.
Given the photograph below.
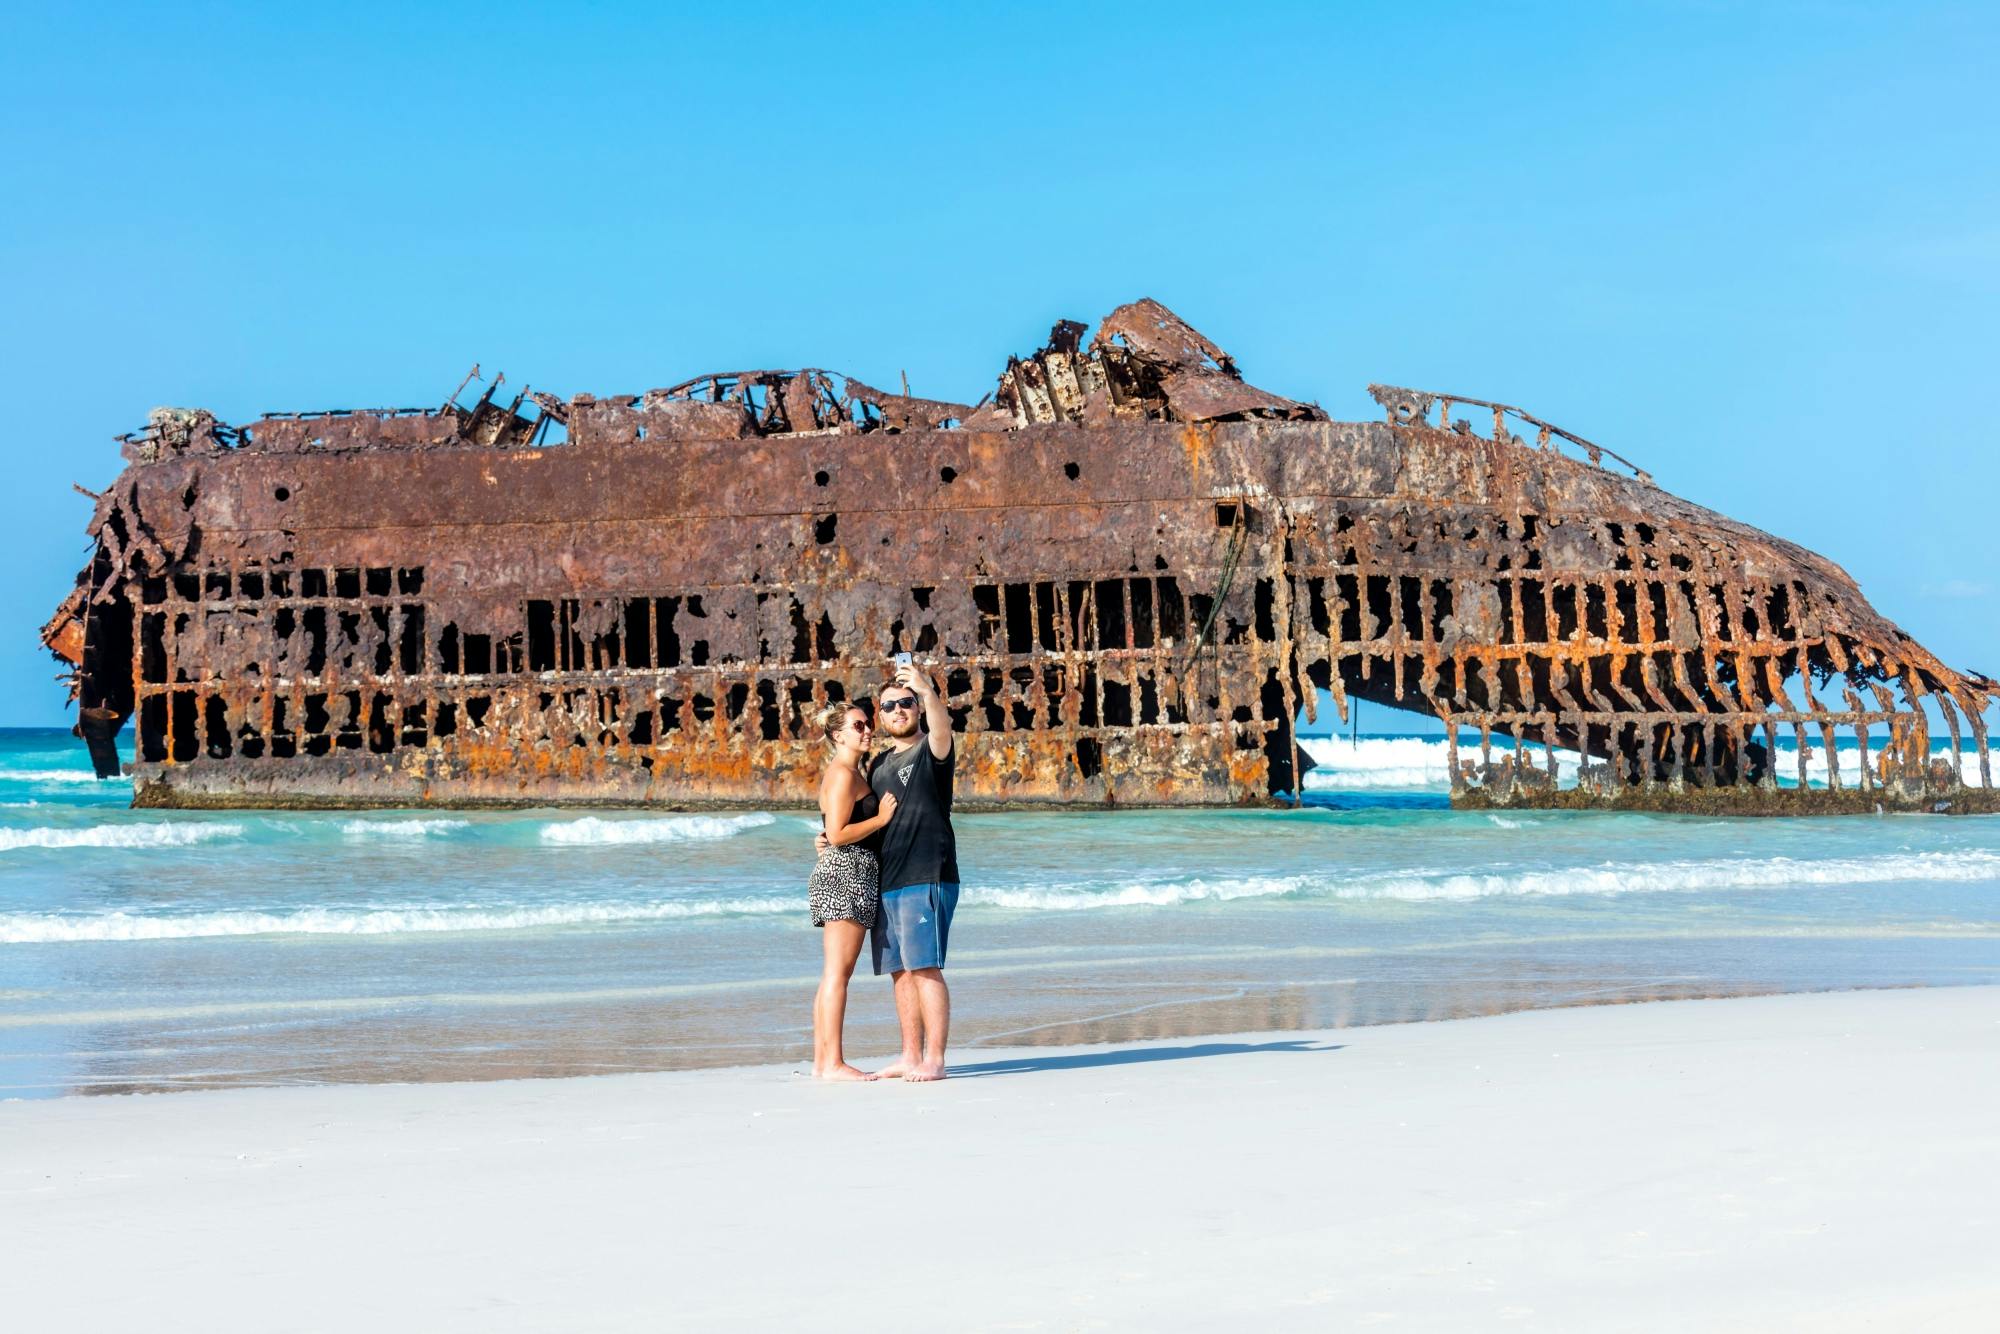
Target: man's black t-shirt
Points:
(917, 845)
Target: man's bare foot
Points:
(897, 1069)
(923, 1072)
(843, 1071)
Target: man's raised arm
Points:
(937, 718)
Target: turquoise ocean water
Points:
(146, 950)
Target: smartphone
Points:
(902, 659)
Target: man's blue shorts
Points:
(912, 927)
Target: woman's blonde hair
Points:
(833, 717)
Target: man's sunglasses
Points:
(896, 705)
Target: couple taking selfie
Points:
(887, 869)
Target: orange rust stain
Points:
(1246, 770)
(730, 768)
(1195, 440)
(66, 642)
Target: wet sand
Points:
(1791, 1162)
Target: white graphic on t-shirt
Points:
(903, 774)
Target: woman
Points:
(845, 888)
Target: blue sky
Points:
(1756, 249)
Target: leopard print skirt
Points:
(845, 886)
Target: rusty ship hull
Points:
(1130, 571)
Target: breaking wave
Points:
(1609, 878)
(677, 829)
(1423, 763)
(118, 836)
(59, 928)
(1689, 876)
(399, 830)
(1406, 763)
(1378, 762)
(75, 776)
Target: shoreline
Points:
(1140, 1025)
(1811, 1160)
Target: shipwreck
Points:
(1130, 568)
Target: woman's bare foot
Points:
(844, 1071)
(923, 1072)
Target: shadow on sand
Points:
(1084, 1060)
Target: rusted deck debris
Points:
(1130, 567)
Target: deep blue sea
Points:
(147, 950)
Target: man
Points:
(919, 867)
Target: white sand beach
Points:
(1812, 1162)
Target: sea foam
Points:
(57, 928)
(1691, 876)
(1402, 763)
(1419, 763)
(118, 836)
(400, 830)
(70, 776)
(676, 829)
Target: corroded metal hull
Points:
(1130, 573)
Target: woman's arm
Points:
(837, 794)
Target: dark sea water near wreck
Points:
(150, 950)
